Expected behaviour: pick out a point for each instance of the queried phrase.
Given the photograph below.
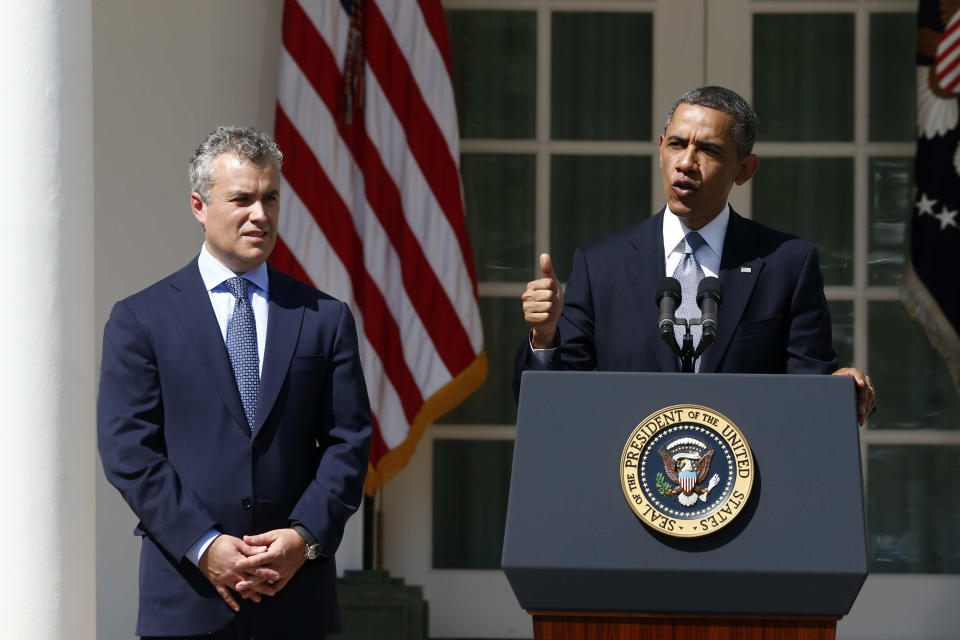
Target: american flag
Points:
(372, 206)
(930, 287)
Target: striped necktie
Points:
(689, 273)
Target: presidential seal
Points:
(686, 471)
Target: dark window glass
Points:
(499, 193)
(914, 387)
(841, 315)
(601, 76)
(471, 480)
(893, 79)
(912, 512)
(591, 196)
(891, 205)
(503, 330)
(803, 75)
(812, 198)
(494, 60)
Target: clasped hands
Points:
(254, 566)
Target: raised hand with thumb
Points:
(542, 305)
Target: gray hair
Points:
(248, 143)
(744, 128)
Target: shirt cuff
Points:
(195, 552)
(541, 357)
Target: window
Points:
(559, 111)
(553, 142)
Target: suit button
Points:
(247, 504)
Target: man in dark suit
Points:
(773, 317)
(234, 420)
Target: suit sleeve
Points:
(810, 340)
(335, 492)
(131, 442)
(577, 351)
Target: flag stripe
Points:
(437, 24)
(316, 192)
(429, 224)
(948, 61)
(423, 136)
(429, 297)
(428, 66)
(952, 28)
(311, 118)
(321, 263)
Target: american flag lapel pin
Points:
(745, 270)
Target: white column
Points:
(47, 361)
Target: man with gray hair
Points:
(233, 418)
(773, 317)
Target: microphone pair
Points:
(669, 296)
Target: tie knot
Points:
(237, 286)
(694, 241)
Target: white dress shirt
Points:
(674, 232)
(214, 274)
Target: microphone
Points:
(668, 299)
(708, 299)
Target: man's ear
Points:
(199, 208)
(748, 166)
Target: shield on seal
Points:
(688, 479)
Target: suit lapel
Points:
(739, 270)
(644, 271)
(192, 307)
(283, 332)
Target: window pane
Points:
(471, 480)
(891, 203)
(893, 79)
(912, 512)
(494, 60)
(591, 196)
(503, 330)
(499, 193)
(841, 315)
(601, 76)
(803, 75)
(914, 388)
(812, 198)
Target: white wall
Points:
(164, 75)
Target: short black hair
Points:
(744, 128)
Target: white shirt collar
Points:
(214, 273)
(714, 232)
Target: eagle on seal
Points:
(688, 477)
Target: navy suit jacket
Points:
(174, 440)
(773, 317)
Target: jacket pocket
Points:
(309, 363)
(758, 328)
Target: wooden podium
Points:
(577, 625)
(585, 566)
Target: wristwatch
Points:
(312, 549)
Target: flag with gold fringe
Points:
(932, 289)
(372, 206)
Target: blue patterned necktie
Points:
(689, 273)
(242, 348)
